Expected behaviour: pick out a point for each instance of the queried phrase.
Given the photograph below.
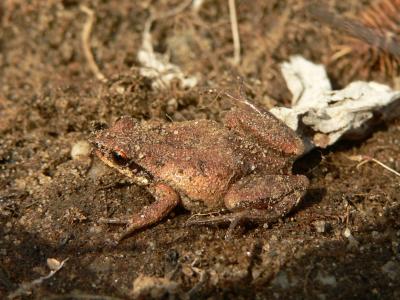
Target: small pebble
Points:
(326, 279)
(53, 264)
(320, 226)
(120, 89)
(80, 149)
(353, 243)
(95, 229)
(375, 234)
(347, 233)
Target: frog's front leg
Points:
(259, 199)
(166, 199)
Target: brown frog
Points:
(242, 165)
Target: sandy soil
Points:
(342, 242)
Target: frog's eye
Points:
(119, 157)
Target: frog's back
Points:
(196, 158)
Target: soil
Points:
(342, 242)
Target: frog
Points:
(233, 171)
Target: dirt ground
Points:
(342, 242)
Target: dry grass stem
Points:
(235, 32)
(86, 31)
(364, 159)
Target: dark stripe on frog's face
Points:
(127, 167)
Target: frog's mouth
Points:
(125, 166)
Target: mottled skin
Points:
(243, 165)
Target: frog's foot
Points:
(234, 219)
(202, 218)
(165, 200)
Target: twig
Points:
(78, 295)
(26, 287)
(347, 215)
(235, 32)
(86, 31)
(364, 159)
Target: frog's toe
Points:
(212, 218)
(233, 219)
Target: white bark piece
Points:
(332, 114)
(304, 79)
(157, 66)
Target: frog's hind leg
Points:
(166, 199)
(259, 199)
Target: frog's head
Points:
(119, 148)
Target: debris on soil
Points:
(323, 116)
